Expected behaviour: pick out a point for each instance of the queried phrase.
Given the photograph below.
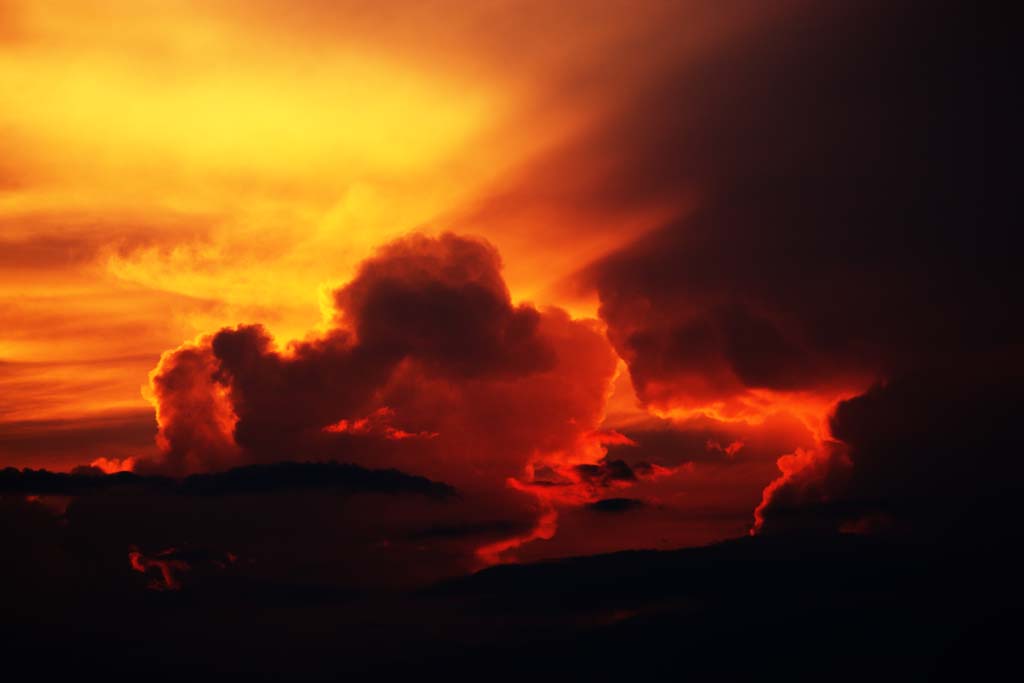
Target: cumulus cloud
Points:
(426, 366)
(425, 336)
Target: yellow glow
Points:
(212, 174)
(168, 167)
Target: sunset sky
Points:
(170, 168)
(620, 275)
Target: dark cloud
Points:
(931, 454)
(61, 240)
(427, 366)
(615, 505)
(425, 335)
(443, 302)
(843, 231)
(701, 441)
(841, 228)
(606, 472)
(82, 480)
(252, 479)
(439, 303)
(45, 251)
(668, 444)
(113, 434)
(291, 476)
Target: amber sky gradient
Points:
(169, 167)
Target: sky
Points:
(605, 275)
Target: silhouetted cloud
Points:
(426, 331)
(933, 454)
(252, 479)
(841, 233)
(840, 228)
(617, 505)
(606, 472)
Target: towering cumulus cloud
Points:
(427, 366)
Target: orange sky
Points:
(171, 167)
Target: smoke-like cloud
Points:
(840, 235)
(835, 238)
(426, 365)
(929, 454)
(425, 334)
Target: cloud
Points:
(835, 235)
(606, 472)
(615, 505)
(426, 336)
(305, 476)
(426, 365)
(251, 479)
(443, 302)
(840, 234)
(933, 454)
(193, 411)
(164, 562)
(669, 444)
(66, 441)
